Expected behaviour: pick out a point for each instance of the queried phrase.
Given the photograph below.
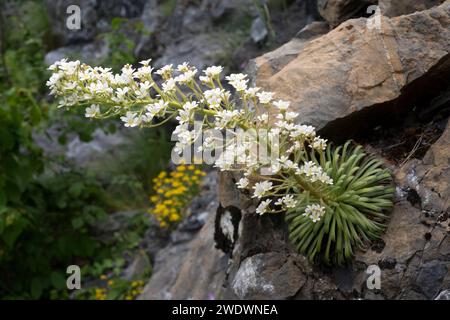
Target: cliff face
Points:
(206, 32)
(386, 86)
(347, 83)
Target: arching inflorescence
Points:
(334, 198)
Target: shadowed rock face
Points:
(337, 11)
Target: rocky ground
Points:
(205, 32)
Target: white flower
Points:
(290, 116)
(208, 143)
(74, 83)
(186, 77)
(285, 126)
(178, 148)
(145, 62)
(251, 92)
(144, 88)
(315, 212)
(274, 133)
(92, 111)
(236, 77)
(54, 80)
(122, 79)
(287, 202)
(189, 106)
(184, 116)
(205, 79)
(226, 160)
(169, 86)
(158, 108)
(282, 105)
(242, 183)
(68, 67)
(99, 87)
(263, 118)
(55, 65)
(185, 138)
(265, 97)
(239, 85)
(238, 81)
(128, 71)
(143, 72)
(225, 117)
(263, 207)
(166, 71)
(324, 178)
(319, 144)
(130, 119)
(261, 188)
(121, 92)
(314, 173)
(287, 163)
(183, 67)
(148, 117)
(303, 131)
(310, 169)
(275, 167)
(213, 71)
(214, 97)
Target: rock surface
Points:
(204, 32)
(392, 8)
(338, 11)
(327, 78)
(94, 17)
(416, 241)
(190, 267)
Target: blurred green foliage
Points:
(120, 46)
(48, 207)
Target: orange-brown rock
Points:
(358, 66)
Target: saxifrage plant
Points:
(335, 198)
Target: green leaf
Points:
(76, 189)
(57, 280)
(355, 206)
(77, 222)
(12, 232)
(36, 288)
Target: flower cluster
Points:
(123, 289)
(314, 212)
(100, 294)
(136, 289)
(173, 191)
(143, 97)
